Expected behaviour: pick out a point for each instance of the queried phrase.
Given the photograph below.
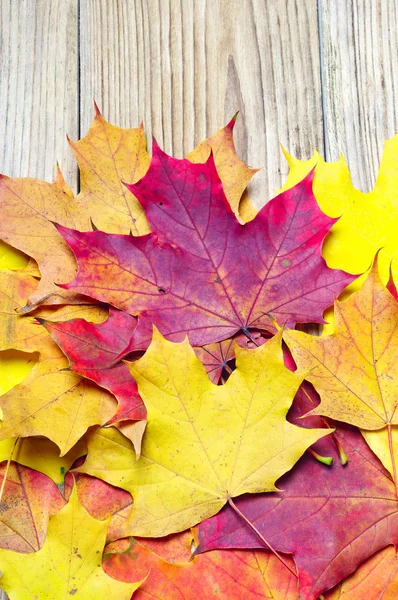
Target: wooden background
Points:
(305, 73)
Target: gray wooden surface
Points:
(305, 73)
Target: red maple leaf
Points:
(202, 273)
(93, 351)
(330, 518)
(101, 500)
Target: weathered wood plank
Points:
(360, 73)
(38, 87)
(184, 67)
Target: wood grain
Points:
(185, 67)
(360, 75)
(38, 87)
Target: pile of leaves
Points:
(173, 426)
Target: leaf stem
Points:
(325, 460)
(394, 467)
(249, 336)
(3, 484)
(262, 538)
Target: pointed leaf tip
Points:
(155, 143)
(129, 186)
(391, 284)
(211, 161)
(96, 108)
(309, 178)
(232, 122)
(288, 157)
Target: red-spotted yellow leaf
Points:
(355, 370)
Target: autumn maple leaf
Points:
(69, 562)
(28, 207)
(355, 369)
(368, 220)
(375, 579)
(202, 273)
(28, 499)
(225, 574)
(193, 458)
(93, 350)
(329, 518)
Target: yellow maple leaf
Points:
(59, 405)
(28, 208)
(68, 564)
(204, 443)
(41, 397)
(355, 370)
(233, 172)
(109, 156)
(368, 221)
